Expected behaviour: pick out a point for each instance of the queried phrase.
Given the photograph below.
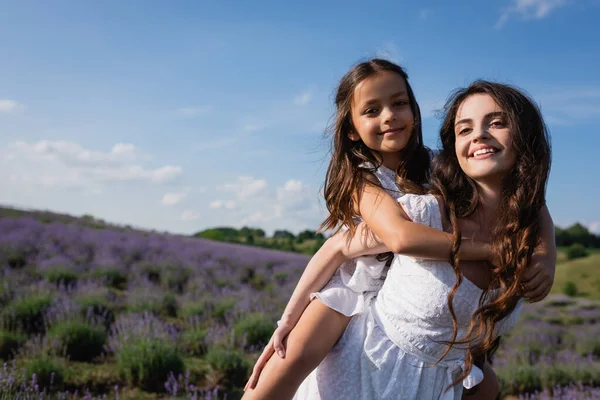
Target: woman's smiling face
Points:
(483, 139)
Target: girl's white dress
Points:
(400, 319)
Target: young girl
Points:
(376, 114)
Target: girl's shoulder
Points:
(424, 209)
(381, 176)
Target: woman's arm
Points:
(539, 277)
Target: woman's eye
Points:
(401, 103)
(498, 123)
(464, 131)
(370, 111)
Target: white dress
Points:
(356, 282)
(393, 340)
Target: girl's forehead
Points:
(379, 85)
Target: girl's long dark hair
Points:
(516, 228)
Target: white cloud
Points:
(189, 215)
(530, 9)
(293, 205)
(170, 199)
(229, 204)
(249, 128)
(303, 98)
(73, 153)
(245, 187)
(68, 164)
(215, 144)
(567, 106)
(389, 51)
(290, 189)
(10, 106)
(594, 227)
(193, 111)
(424, 13)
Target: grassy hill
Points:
(583, 272)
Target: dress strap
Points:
(386, 177)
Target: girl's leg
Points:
(317, 331)
(488, 389)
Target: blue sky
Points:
(184, 115)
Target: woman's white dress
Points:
(400, 318)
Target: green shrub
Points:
(48, 371)
(193, 309)
(588, 346)
(256, 329)
(98, 306)
(588, 374)
(570, 289)
(175, 277)
(556, 375)
(82, 341)
(113, 277)
(27, 314)
(151, 305)
(152, 272)
(148, 363)
(229, 364)
(61, 275)
(221, 283)
(194, 341)
(222, 308)
(16, 259)
(281, 277)
(518, 379)
(10, 343)
(576, 250)
(169, 305)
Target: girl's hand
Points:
(275, 345)
(538, 278)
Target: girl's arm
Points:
(399, 234)
(388, 222)
(317, 273)
(386, 227)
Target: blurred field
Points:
(90, 306)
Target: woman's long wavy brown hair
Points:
(344, 178)
(516, 228)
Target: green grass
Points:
(584, 272)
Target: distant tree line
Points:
(576, 233)
(307, 241)
(576, 237)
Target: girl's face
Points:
(483, 140)
(382, 116)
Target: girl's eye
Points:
(370, 111)
(464, 131)
(401, 103)
(498, 123)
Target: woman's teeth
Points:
(483, 151)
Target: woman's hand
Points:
(538, 278)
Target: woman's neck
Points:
(489, 201)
